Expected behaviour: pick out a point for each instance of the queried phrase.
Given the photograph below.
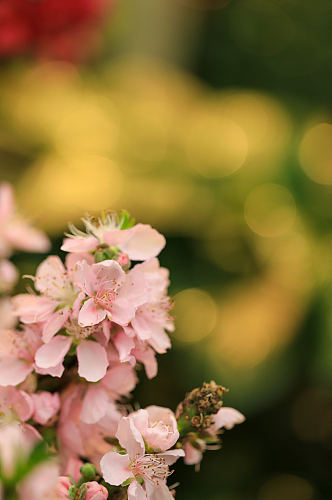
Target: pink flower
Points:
(95, 491)
(98, 401)
(62, 486)
(8, 276)
(153, 469)
(225, 418)
(53, 306)
(15, 405)
(112, 293)
(8, 319)
(72, 468)
(152, 318)
(16, 442)
(14, 231)
(158, 427)
(42, 483)
(46, 405)
(79, 438)
(140, 242)
(17, 355)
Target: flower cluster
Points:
(68, 368)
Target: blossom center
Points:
(151, 468)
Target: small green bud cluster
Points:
(78, 491)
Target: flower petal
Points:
(227, 417)
(115, 468)
(33, 308)
(92, 360)
(144, 242)
(78, 244)
(136, 492)
(159, 492)
(14, 371)
(94, 405)
(53, 353)
(124, 346)
(130, 438)
(91, 314)
(120, 379)
(171, 456)
(55, 323)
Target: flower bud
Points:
(62, 487)
(88, 472)
(95, 491)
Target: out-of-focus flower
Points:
(16, 442)
(41, 483)
(15, 233)
(62, 29)
(46, 405)
(8, 276)
(95, 491)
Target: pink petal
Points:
(13, 371)
(158, 492)
(54, 371)
(135, 287)
(147, 356)
(92, 360)
(23, 405)
(8, 274)
(24, 237)
(50, 276)
(227, 417)
(122, 312)
(84, 277)
(171, 456)
(55, 323)
(7, 203)
(46, 405)
(94, 405)
(124, 345)
(130, 438)
(144, 243)
(33, 308)
(120, 379)
(114, 238)
(193, 455)
(109, 272)
(78, 244)
(53, 353)
(136, 492)
(91, 314)
(115, 468)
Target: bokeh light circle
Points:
(315, 153)
(195, 315)
(287, 487)
(216, 146)
(270, 210)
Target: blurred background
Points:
(210, 120)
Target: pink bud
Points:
(123, 259)
(63, 486)
(95, 491)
